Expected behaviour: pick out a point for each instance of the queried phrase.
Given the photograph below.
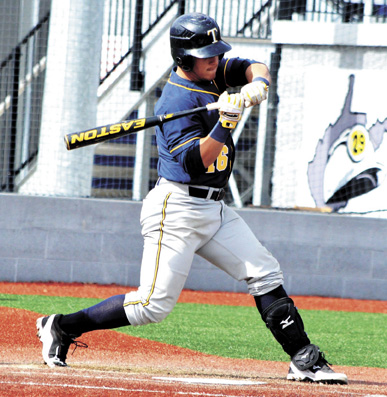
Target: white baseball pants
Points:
(175, 227)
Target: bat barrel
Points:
(76, 140)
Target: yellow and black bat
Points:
(76, 140)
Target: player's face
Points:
(205, 68)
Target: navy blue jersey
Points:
(176, 137)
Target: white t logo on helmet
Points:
(213, 32)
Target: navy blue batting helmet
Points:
(195, 35)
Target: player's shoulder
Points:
(173, 100)
(178, 94)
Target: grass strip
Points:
(347, 338)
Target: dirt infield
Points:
(120, 365)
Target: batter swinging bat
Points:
(111, 131)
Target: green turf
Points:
(347, 338)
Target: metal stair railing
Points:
(21, 94)
(134, 38)
(132, 27)
(261, 21)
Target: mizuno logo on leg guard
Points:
(286, 323)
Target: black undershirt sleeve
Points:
(192, 160)
(232, 72)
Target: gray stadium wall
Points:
(99, 241)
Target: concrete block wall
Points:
(99, 241)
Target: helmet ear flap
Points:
(185, 62)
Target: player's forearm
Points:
(258, 70)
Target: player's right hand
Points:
(255, 92)
(230, 109)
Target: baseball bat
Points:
(103, 133)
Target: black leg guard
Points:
(285, 323)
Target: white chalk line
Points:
(105, 388)
(212, 381)
(134, 377)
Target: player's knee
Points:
(263, 285)
(155, 316)
(140, 314)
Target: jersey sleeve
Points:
(183, 144)
(232, 72)
(182, 133)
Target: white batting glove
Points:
(255, 92)
(230, 110)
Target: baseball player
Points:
(184, 214)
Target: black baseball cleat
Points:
(310, 365)
(56, 342)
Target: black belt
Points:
(203, 193)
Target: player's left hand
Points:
(230, 109)
(254, 93)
